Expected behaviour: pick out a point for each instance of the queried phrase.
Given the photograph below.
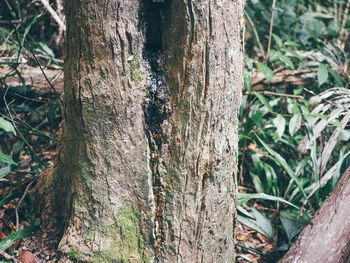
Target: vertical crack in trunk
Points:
(156, 112)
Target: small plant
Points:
(133, 68)
(75, 254)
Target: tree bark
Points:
(327, 237)
(148, 156)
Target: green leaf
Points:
(271, 179)
(250, 63)
(268, 73)
(9, 197)
(46, 49)
(294, 124)
(247, 81)
(277, 40)
(263, 100)
(286, 60)
(7, 126)
(244, 197)
(338, 79)
(261, 223)
(11, 239)
(292, 223)
(26, 31)
(281, 161)
(257, 182)
(292, 52)
(6, 159)
(322, 74)
(291, 43)
(280, 124)
(298, 91)
(5, 171)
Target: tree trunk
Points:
(148, 156)
(327, 237)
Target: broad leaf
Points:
(263, 100)
(322, 74)
(280, 124)
(247, 81)
(292, 52)
(277, 40)
(5, 171)
(291, 43)
(261, 223)
(7, 126)
(294, 124)
(6, 159)
(292, 223)
(286, 60)
(268, 73)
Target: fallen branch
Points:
(54, 14)
(327, 237)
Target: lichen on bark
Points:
(123, 241)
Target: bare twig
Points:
(54, 14)
(335, 9)
(17, 21)
(255, 33)
(45, 76)
(271, 26)
(282, 95)
(345, 18)
(20, 201)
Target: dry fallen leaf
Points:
(26, 257)
(2, 235)
(241, 236)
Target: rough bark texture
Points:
(148, 157)
(327, 237)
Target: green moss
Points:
(213, 175)
(172, 181)
(133, 69)
(127, 242)
(91, 235)
(75, 254)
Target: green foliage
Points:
(75, 254)
(133, 69)
(322, 74)
(292, 139)
(259, 222)
(28, 119)
(266, 71)
(18, 235)
(7, 126)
